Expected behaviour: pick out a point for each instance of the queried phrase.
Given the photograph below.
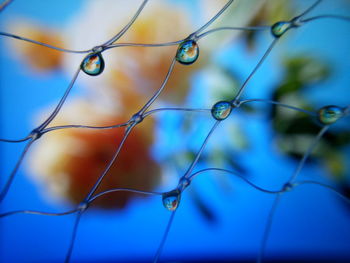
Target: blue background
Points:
(310, 222)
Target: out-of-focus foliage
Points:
(294, 130)
(269, 13)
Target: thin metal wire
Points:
(307, 153)
(73, 237)
(216, 16)
(164, 238)
(38, 132)
(333, 189)
(5, 4)
(189, 170)
(60, 104)
(33, 212)
(309, 9)
(110, 163)
(231, 28)
(237, 175)
(267, 52)
(268, 227)
(9, 181)
(345, 18)
(44, 44)
(93, 198)
(127, 26)
(311, 113)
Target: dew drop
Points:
(221, 110)
(171, 199)
(93, 64)
(279, 28)
(188, 52)
(330, 114)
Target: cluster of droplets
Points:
(187, 53)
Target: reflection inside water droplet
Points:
(93, 64)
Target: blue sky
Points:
(310, 220)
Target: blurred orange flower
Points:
(40, 58)
(70, 161)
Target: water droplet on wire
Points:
(279, 28)
(188, 52)
(221, 110)
(171, 199)
(330, 114)
(93, 64)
